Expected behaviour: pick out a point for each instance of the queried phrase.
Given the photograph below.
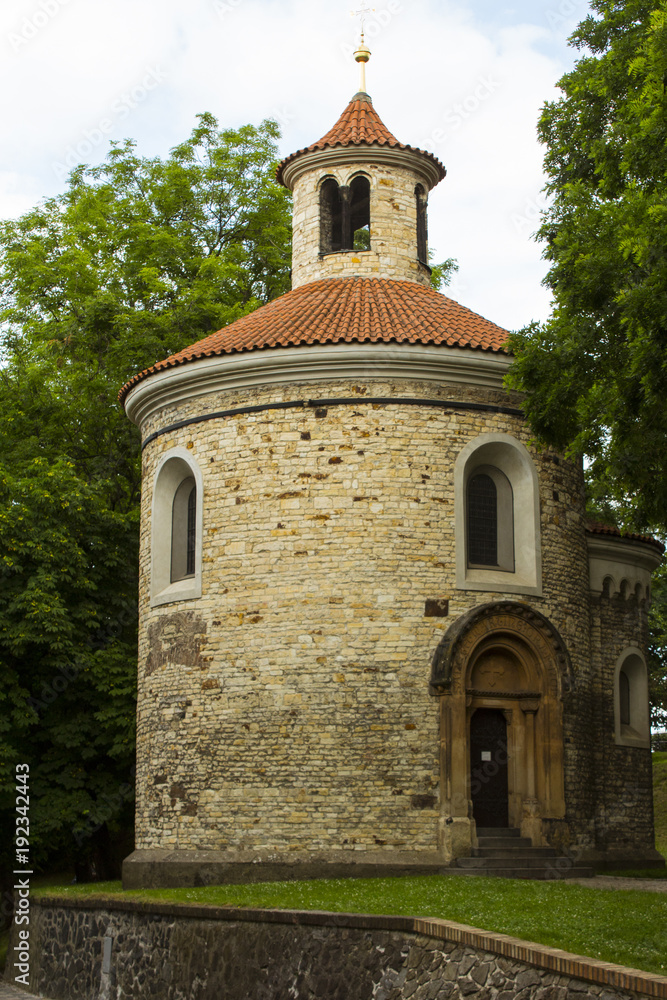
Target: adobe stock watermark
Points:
(224, 7)
(374, 21)
(105, 808)
(32, 24)
(564, 14)
(526, 221)
(461, 112)
(121, 108)
(70, 671)
(283, 116)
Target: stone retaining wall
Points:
(112, 949)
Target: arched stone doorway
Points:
(500, 672)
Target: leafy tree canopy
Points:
(595, 374)
(134, 261)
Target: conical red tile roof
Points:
(345, 310)
(359, 125)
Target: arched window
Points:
(497, 517)
(632, 724)
(422, 236)
(176, 535)
(624, 698)
(360, 214)
(183, 531)
(489, 519)
(345, 219)
(482, 521)
(331, 217)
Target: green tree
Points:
(595, 373)
(442, 274)
(134, 261)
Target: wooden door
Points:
(488, 767)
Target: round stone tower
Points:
(366, 613)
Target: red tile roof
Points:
(345, 310)
(598, 528)
(359, 125)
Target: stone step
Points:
(504, 843)
(504, 853)
(498, 831)
(546, 872)
(507, 852)
(512, 860)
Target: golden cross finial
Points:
(363, 53)
(362, 13)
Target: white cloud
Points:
(464, 81)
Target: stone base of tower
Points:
(157, 869)
(619, 859)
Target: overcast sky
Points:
(465, 81)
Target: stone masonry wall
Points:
(288, 709)
(624, 815)
(174, 952)
(393, 212)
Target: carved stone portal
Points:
(501, 667)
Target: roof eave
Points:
(427, 166)
(181, 380)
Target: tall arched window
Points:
(482, 521)
(331, 217)
(624, 698)
(360, 214)
(176, 535)
(490, 519)
(422, 236)
(183, 531)
(497, 517)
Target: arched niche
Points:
(632, 721)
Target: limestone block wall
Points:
(393, 214)
(288, 708)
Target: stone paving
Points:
(618, 882)
(8, 992)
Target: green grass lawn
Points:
(627, 927)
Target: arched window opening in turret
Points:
(422, 234)
(331, 217)
(360, 214)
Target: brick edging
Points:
(552, 959)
